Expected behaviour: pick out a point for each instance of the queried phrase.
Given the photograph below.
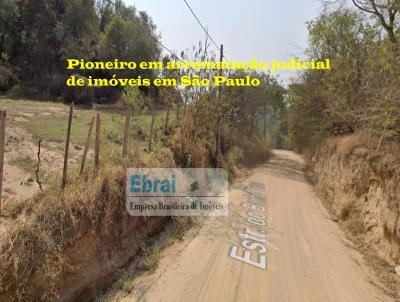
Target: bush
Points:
(189, 149)
(151, 258)
(56, 223)
(80, 95)
(7, 79)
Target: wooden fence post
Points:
(64, 178)
(177, 111)
(37, 172)
(265, 120)
(218, 145)
(151, 129)
(2, 145)
(126, 133)
(87, 146)
(166, 121)
(97, 146)
(132, 133)
(218, 137)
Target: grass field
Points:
(48, 120)
(27, 121)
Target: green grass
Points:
(54, 128)
(125, 282)
(23, 103)
(152, 258)
(53, 125)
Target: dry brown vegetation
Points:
(361, 188)
(60, 242)
(57, 235)
(347, 122)
(34, 252)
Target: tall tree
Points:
(386, 11)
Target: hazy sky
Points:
(262, 29)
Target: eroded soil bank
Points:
(362, 189)
(70, 246)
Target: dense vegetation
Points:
(248, 119)
(361, 93)
(37, 36)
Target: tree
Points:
(78, 30)
(9, 34)
(386, 11)
(125, 40)
(328, 103)
(359, 93)
(38, 36)
(133, 98)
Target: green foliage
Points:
(37, 36)
(78, 30)
(243, 115)
(125, 40)
(134, 99)
(152, 258)
(9, 34)
(125, 282)
(385, 13)
(359, 92)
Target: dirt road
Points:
(307, 257)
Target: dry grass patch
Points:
(151, 258)
(35, 248)
(344, 145)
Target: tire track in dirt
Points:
(307, 259)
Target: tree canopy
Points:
(359, 92)
(37, 36)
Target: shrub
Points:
(151, 258)
(7, 79)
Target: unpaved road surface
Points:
(307, 257)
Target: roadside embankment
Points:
(68, 245)
(362, 189)
(71, 244)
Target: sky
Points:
(261, 29)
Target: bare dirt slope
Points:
(308, 257)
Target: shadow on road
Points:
(285, 168)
